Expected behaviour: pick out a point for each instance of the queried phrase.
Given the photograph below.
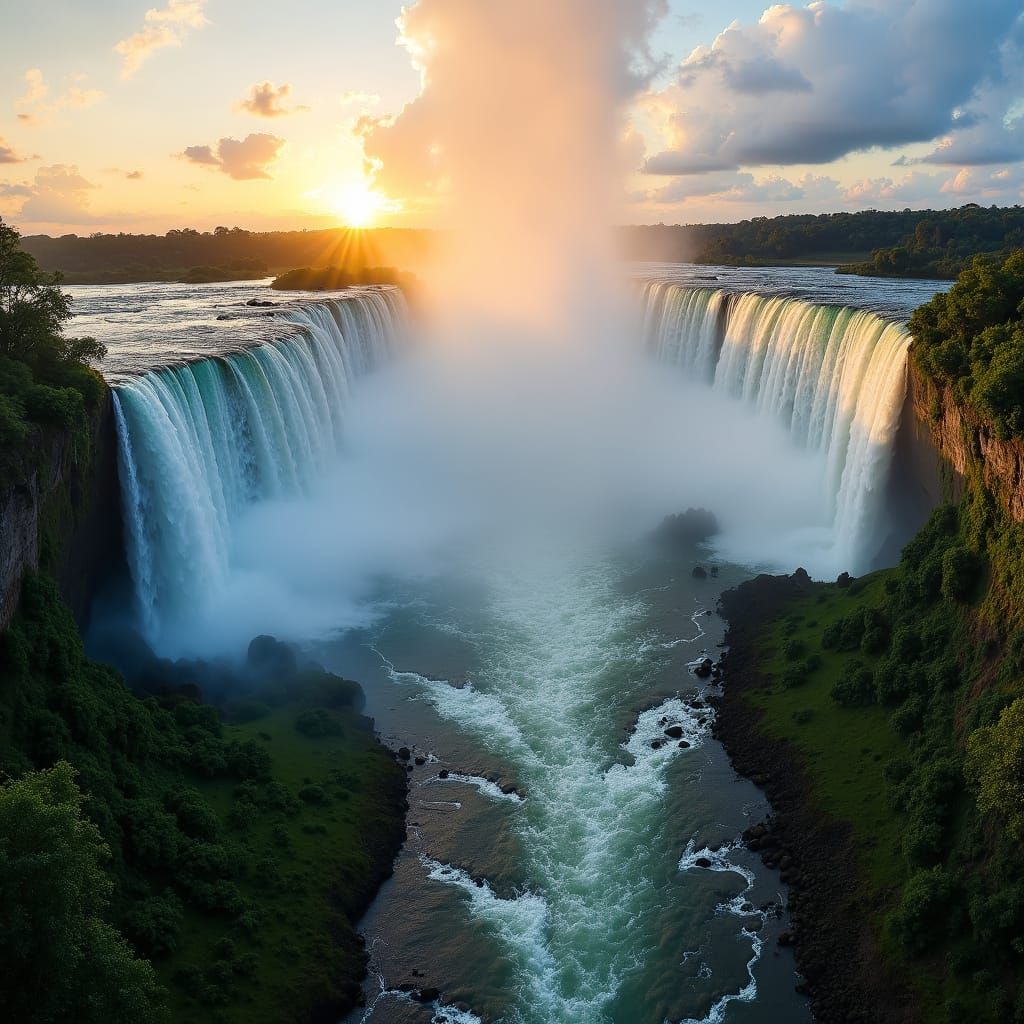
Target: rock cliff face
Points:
(60, 510)
(966, 445)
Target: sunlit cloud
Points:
(355, 97)
(58, 195)
(243, 160)
(8, 154)
(38, 104)
(267, 100)
(165, 26)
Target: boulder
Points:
(674, 732)
(404, 753)
(699, 572)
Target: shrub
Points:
(856, 688)
(918, 921)
(960, 572)
(153, 924)
(995, 766)
(317, 723)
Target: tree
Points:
(995, 765)
(34, 310)
(61, 960)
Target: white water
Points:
(200, 443)
(834, 376)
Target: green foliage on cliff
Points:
(45, 379)
(242, 894)
(62, 960)
(971, 339)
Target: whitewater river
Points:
(568, 861)
(577, 896)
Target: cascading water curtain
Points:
(200, 442)
(835, 376)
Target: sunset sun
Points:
(357, 204)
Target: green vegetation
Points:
(328, 278)
(904, 243)
(943, 243)
(238, 857)
(45, 380)
(228, 253)
(971, 339)
(904, 692)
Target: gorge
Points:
(521, 657)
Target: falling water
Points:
(835, 376)
(201, 441)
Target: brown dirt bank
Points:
(837, 951)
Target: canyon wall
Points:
(60, 511)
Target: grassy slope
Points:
(308, 866)
(846, 749)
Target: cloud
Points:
(58, 195)
(366, 99)
(133, 175)
(742, 187)
(242, 160)
(77, 96)
(166, 26)
(8, 155)
(810, 85)
(266, 100)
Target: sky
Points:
(123, 116)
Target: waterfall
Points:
(835, 376)
(198, 443)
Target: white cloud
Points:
(165, 26)
(809, 85)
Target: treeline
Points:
(330, 278)
(114, 258)
(905, 243)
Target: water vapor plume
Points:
(515, 140)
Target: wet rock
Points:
(674, 732)
(508, 788)
(786, 939)
(699, 572)
(702, 862)
(703, 670)
(443, 773)
(427, 995)
(260, 302)
(420, 759)
(656, 744)
(404, 753)
(683, 745)
(714, 573)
